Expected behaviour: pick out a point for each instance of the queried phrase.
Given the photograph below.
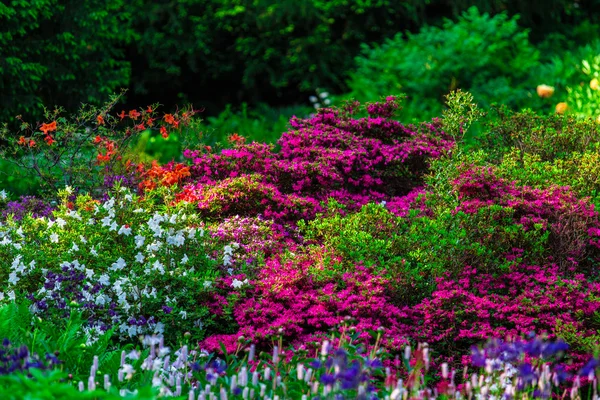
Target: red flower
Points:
(122, 115)
(163, 132)
(22, 141)
(150, 121)
(134, 114)
(32, 143)
(100, 120)
(49, 140)
(169, 119)
(97, 139)
(101, 158)
(149, 109)
(140, 127)
(48, 127)
(235, 138)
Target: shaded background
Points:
(217, 52)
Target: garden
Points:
(423, 225)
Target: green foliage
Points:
(550, 137)
(489, 56)
(270, 46)
(365, 236)
(460, 114)
(578, 170)
(61, 52)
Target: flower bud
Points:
(545, 91)
(561, 107)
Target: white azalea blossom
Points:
(119, 265)
(139, 257)
(54, 237)
(124, 230)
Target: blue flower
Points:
(589, 368)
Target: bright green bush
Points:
(365, 236)
(487, 55)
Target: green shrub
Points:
(487, 55)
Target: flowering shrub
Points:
(124, 264)
(303, 296)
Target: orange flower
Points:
(97, 139)
(235, 138)
(561, 108)
(101, 158)
(32, 143)
(169, 119)
(22, 141)
(140, 127)
(149, 109)
(100, 120)
(150, 121)
(134, 114)
(49, 140)
(48, 127)
(163, 132)
(122, 115)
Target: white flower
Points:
(317, 106)
(3, 195)
(119, 265)
(13, 279)
(106, 221)
(69, 189)
(83, 239)
(61, 222)
(327, 102)
(128, 197)
(159, 267)
(183, 314)
(124, 230)
(104, 280)
(75, 247)
(139, 241)
(207, 284)
(113, 226)
(74, 214)
(138, 210)
(139, 257)
(185, 259)
(324, 95)
(54, 238)
(313, 99)
(89, 273)
(93, 252)
(236, 284)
